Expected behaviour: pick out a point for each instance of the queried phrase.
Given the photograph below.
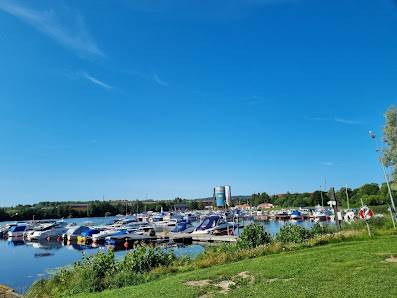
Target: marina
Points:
(30, 260)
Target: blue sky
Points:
(164, 99)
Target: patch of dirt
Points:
(225, 286)
(358, 268)
(246, 275)
(392, 259)
(198, 283)
(275, 279)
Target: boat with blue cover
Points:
(183, 227)
(17, 231)
(214, 224)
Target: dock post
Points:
(335, 208)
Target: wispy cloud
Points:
(154, 77)
(159, 81)
(337, 119)
(96, 81)
(72, 32)
(327, 163)
(345, 121)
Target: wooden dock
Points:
(186, 237)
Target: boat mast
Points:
(322, 200)
(347, 197)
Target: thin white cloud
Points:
(96, 81)
(150, 77)
(327, 163)
(159, 81)
(345, 121)
(72, 33)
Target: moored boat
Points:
(214, 224)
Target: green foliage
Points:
(253, 235)
(376, 222)
(100, 271)
(390, 138)
(321, 229)
(293, 233)
(142, 259)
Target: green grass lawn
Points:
(347, 269)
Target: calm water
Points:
(23, 262)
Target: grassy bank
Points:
(145, 265)
(347, 269)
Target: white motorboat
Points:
(53, 233)
(320, 213)
(17, 231)
(73, 232)
(214, 224)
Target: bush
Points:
(292, 233)
(321, 229)
(142, 259)
(100, 271)
(378, 222)
(252, 236)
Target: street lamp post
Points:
(384, 173)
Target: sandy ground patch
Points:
(198, 283)
(276, 279)
(224, 285)
(246, 275)
(392, 259)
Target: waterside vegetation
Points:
(146, 264)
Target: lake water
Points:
(23, 262)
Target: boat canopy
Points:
(179, 227)
(122, 232)
(77, 230)
(18, 228)
(89, 232)
(209, 222)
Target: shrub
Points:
(292, 233)
(321, 229)
(252, 236)
(100, 271)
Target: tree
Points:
(193, 205)
(316, 199)
(384, 192)
(200, 205)
(341, 194)
(368, 189)
(265, 198)
(390, 138)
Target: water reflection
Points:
(43, 244)
(15, 242)
(43, 254)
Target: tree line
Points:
(370, 193)
(51, 210)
